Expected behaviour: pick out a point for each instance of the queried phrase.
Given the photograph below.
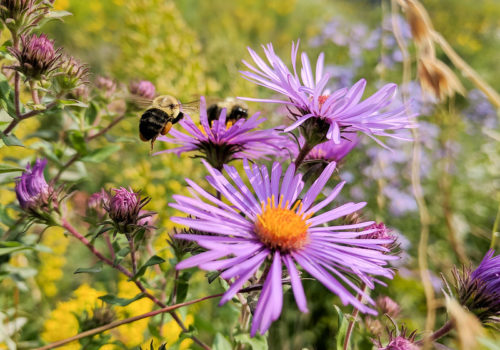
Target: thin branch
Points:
(107, 128)
(494, 231)
(115, 324)
(130, 275)
(350, 327)
(441, 332)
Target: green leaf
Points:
(101, 154)
(91, 113)
(258, 342)
(11, 140)
(221, 343)
(9, 168)
(154, 260)
(114, 300)
(183, 286)
(77, 141)
(122, 253)
(342, 328)
(58, 14)
(94, 269)
(73, 103)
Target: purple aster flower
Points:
(479, 290)
(269, 221)
(37, 58)
(125, 209)
(32, 189)
(331, 151)
(97, 203)
(143, 88)
(220, 142)
(321, 113)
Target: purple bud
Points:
(330, 151)
(125, 209)
(479, 290)
(400, 343)
(388, 306)
(31, 188)
(37, 57)
(73, 73)
(381, 232)
(20, 15)
(143, 88)
(97, 202)
(107, 85)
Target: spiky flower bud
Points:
(388, 306)
(21, 15)
(381, 232)
(100, 316)
(72, 73)
(143, 88)
(125, 209)
(182, 247)
(37, 58)
(479, 290)
(400, 341)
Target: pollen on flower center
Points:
(281, 227)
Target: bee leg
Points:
(178, 118)
(152, 144)
(166, 128)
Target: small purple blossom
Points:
(106, 85)
(388, 306)
(268, 220)
(31, 187)
(37, 57)
(330, 113)
(331, 151)
(143, 88)
(219, 143)
(400, 341)
(97, 203)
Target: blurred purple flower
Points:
(31, 187)
(106, 85)
(220, 143)
(333, 113)
(143, 88)
(480, 110)
(388, 306)
(268, 221)
(97, 203)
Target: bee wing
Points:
(191, 106)
(140, 101)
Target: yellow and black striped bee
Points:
(236, 110)
(159, 117)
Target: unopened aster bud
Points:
(401, 341)
(96, 204)
(388, 306)
(124, 209)
(20, 15)
(144, 89)
(182, 247)
(72, 73)
(100, 316)
(37, 57)
(479, 290)
(106, 85)
(32, 189)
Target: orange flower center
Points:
(281, 228)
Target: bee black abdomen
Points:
(213, 113)
(152, 123)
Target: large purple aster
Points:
(220, 142)
(268, 220)
(330, 113)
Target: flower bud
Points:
(144, 89)
(388, 306)
(124, 209)
(72, 73)
(20, 15)
(479, 290)
(106, 85)
(96, 204)
(400, 341)
(100, 316)
(37, 58)
(31, 188)
(381, 232)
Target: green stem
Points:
(494, 232)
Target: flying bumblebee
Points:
(163, 112)
(236, 110)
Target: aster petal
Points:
(297, 288)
